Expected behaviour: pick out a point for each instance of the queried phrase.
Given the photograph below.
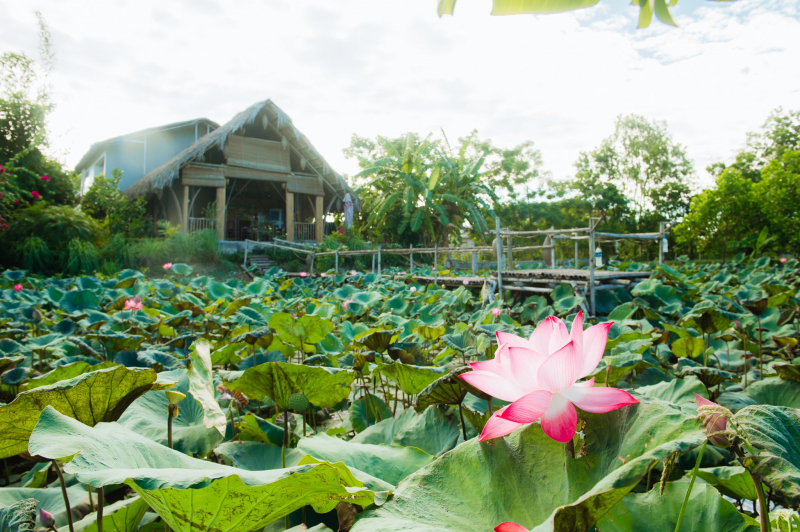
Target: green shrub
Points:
(119, 250)
(81, 257)
(57, 225)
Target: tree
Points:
(642, 164)
(778, 195)
(420, 190)
(104, 202)
(728, 212)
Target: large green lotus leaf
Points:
(10, 347)
(190, 494)
(253, 428)
(79, 300)
(201, 386)
(148, 416)
(678, 391)
(432, 431)
(446, 390)
(390, 463)
(307, 330)
(734, 482)
(67, 371)
(256, 456)
(324, 387)
(368, 410)
(706, 511)
(774, 432)
(19, 517)
(122, 516)
(533, 480)
(47, 341)
(90, 398)
(7, 362)
(412, 379)
(51, 500)
(770, 391)
(789, 372)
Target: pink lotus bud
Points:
(413, 289)
(713, 423)
(510, 526)
(465, 282)
(323, 274)
(46, 518)
(17, 288)
(303, 274)
(346, 304)
(167, 266)
(783, 260)
(496, 311)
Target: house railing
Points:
(305, 231)
(200, 224)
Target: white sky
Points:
(390, 66)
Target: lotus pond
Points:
(352, 402)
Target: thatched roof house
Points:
(255, 176)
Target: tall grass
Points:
(81, 257)
(35, 254)
(197, 248)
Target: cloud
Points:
(366, 67)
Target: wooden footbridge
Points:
(586, 282)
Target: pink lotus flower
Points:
(508, 526)
(17, 288)
(497, 311)
(353, 272)
(133, 304)
(346, 304)
(713, 423)
(45, 178)
(167, 266)
(413, 289)
(783, 260)
(540, 378)
(35, 194)
(303, 274)
(403, 272)
(465, 282)
(323, 274)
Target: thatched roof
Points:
(98, 148)
(163, 176)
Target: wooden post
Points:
(313, 256)
(592, 293)
(411, 256)
(499, 245)
(379, 260)
(474, 263)
(435, 263)
(661, 242)
(337, 261)
(221, 213)
(553, 249)
(290, 216)
(320, 218)
(185, 209)
(577, 258)
(373, 263)
(510, 258)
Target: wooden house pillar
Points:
(319, 216)
(185, 209)
(289, 216)
(220, 222)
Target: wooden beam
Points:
(290, 216)
(320, 218)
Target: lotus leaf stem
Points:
(760, 352)
(763, 507)
(101, 501)
(64, 494)
(691, 485)
(463, 426)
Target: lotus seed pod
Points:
(298, 402)
(174, 397)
